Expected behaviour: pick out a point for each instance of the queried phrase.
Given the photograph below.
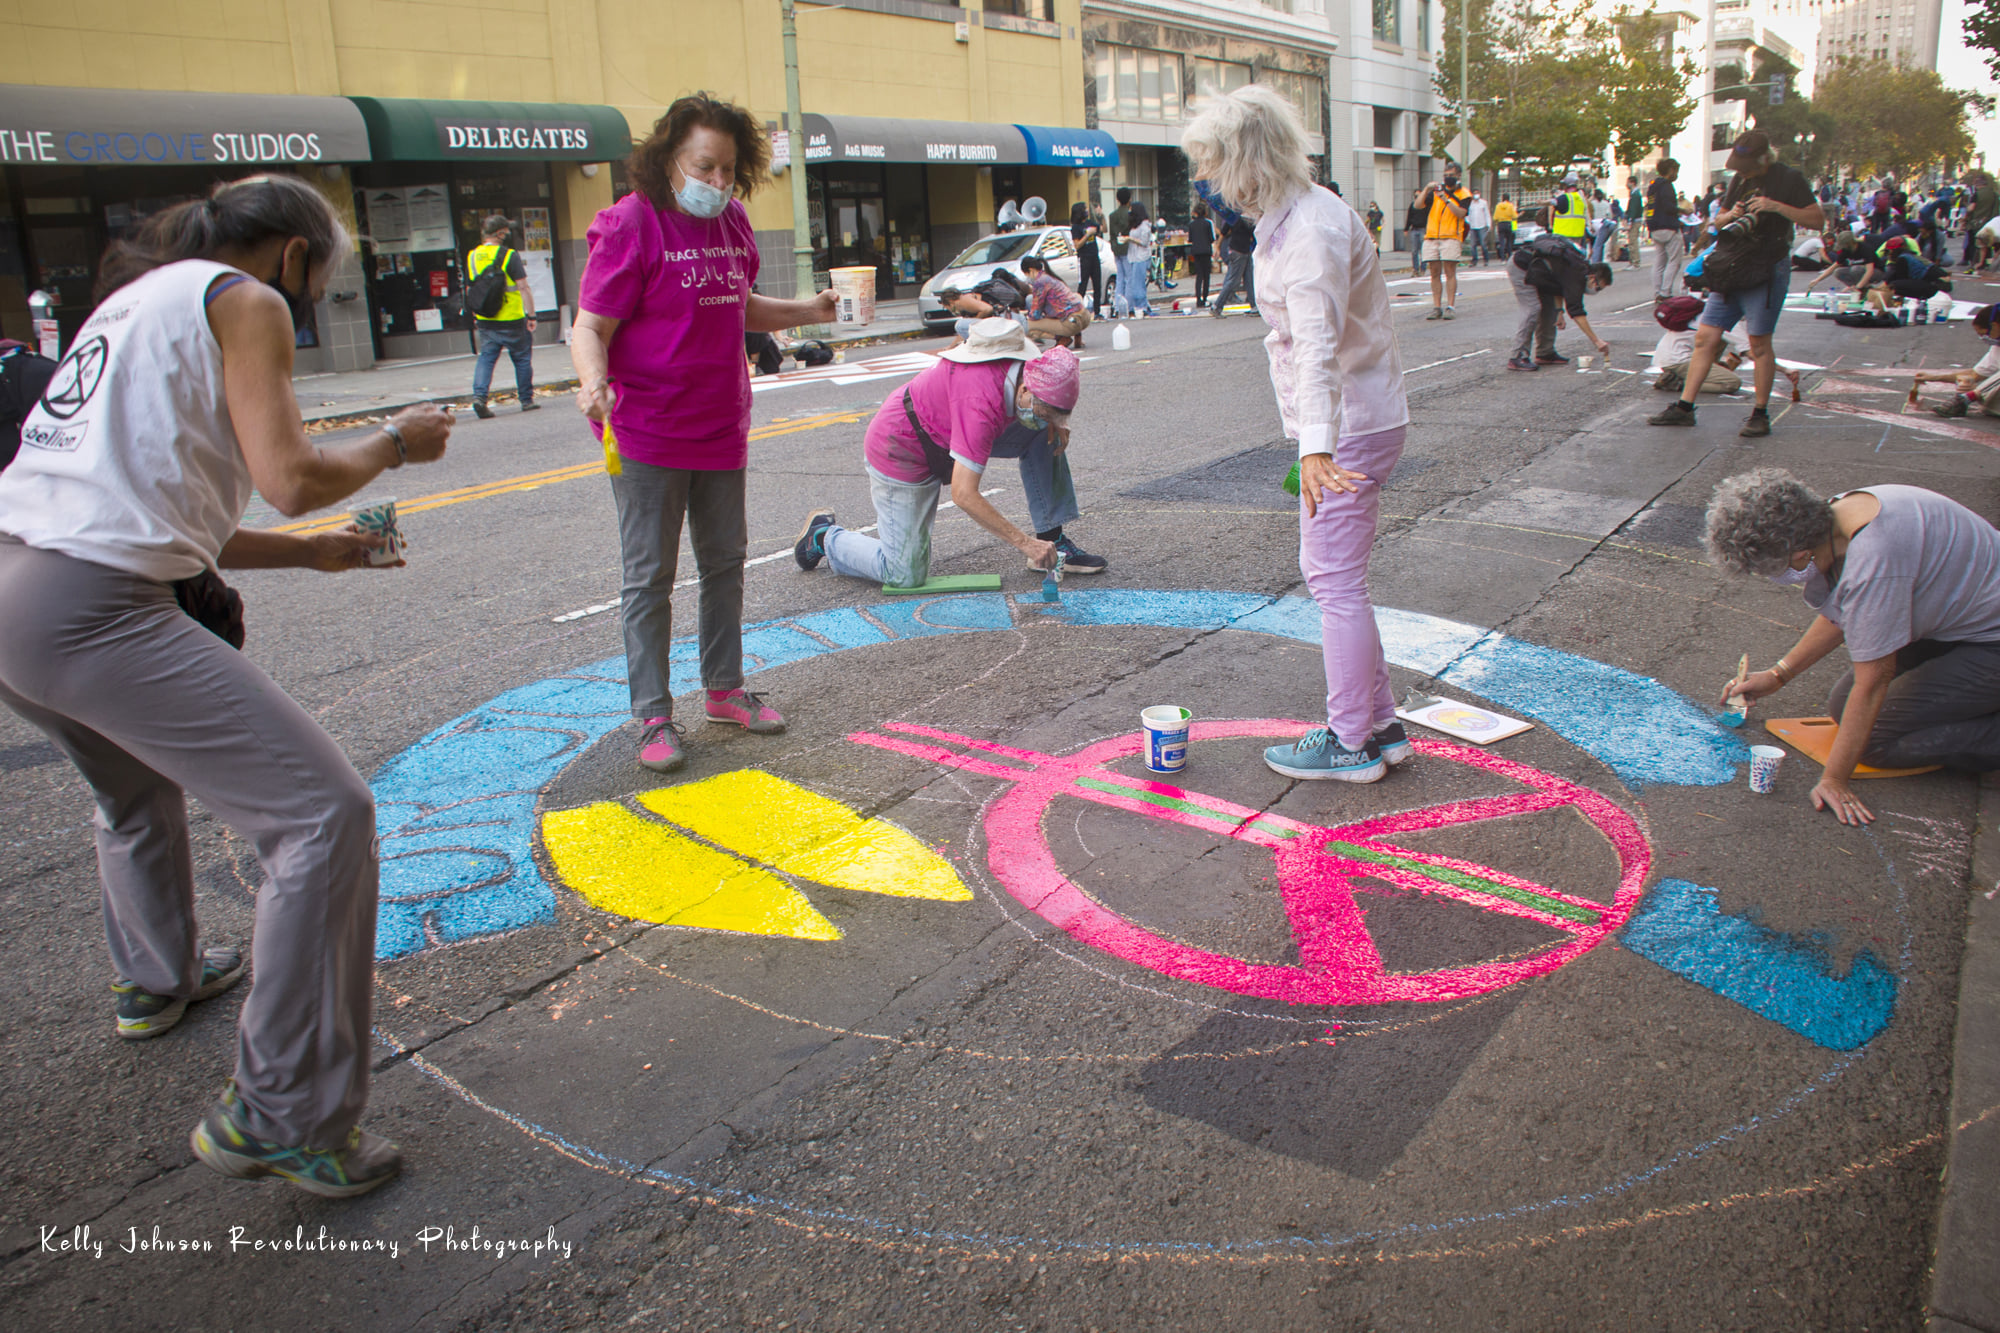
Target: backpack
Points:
(813, 352)
(24, 377)
(485, 294)
(1867, 319)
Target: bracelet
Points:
(395, 434)
(1782, 670)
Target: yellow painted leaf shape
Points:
(624, 863)
(803, 833)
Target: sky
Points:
(1962, 67)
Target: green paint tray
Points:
(947, 583)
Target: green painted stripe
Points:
(1446, 875)
(1184, 807)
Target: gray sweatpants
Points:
(652, 502)
(148, 705)
(1536, 335)
(1669, 259)
(1942, 708)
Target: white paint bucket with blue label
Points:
(1166, 737)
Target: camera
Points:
(1743, 226)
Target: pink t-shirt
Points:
(678, 285)
(963, 407)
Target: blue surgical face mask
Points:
(1028, 417)
(701, 199)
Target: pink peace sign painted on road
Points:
(1316, 866)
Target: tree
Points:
(1554, 85)
(1800, 128)
(1891, 118)
(1982, 32)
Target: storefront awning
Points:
(121, 128)
(408, 129)
(943, 142)
(1060, 146)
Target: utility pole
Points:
(795, 126)
(1464, 88)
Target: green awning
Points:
(410, 129)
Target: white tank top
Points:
(130, 460)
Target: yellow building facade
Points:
(419, 119)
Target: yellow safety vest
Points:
(1574, 223)
(476, 263)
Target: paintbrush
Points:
(1052, 580)
(1733, 711)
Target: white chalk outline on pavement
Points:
(601, 607)
(1447, 361)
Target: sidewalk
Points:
(393, 385)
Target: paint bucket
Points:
(1121, 339)
(1764, 761)
(1583, 365)
(1166, 737)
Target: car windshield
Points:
(997, 249)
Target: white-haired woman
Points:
(1910, 581)
(1339, 384)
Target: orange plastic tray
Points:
(1814, 737)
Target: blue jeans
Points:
(899, 555)
(1757, 307)
(1132, 284)
(513, 335)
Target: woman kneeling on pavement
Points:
(658, 346)
(124, 501)
(1339, 384)
(992, 396)
(1910, 581)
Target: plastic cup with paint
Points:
(379, 520)
(1583, 365)
(1166, 737)
(1764, 761)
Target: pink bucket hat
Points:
(1053, 378)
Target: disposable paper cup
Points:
(1582, 364)
(380, 520)
(1764, 761)
(1166, 737)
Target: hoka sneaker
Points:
(1318, 756)
(810, 548)
(365, 1162)
(1394, 745)
(141, 1016)
(660, 745)
(746, 710)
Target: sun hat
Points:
(1053, 378)
(994, 339)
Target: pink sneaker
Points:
(745, 710)
(660, 745)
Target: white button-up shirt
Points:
(1333, 353)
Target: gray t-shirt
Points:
(1926, 567)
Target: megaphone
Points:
(1033, 209)
(1010, 216)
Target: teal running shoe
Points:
(367, 1161)
(1318, 757)
(142, 1015)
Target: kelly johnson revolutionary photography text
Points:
(87, 1242)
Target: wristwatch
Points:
(395, 434)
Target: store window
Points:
(1306, 93)
(1212, 78)
(1135, 84)
(873, 217)
(1388, 20)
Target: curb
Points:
(1965, 1277)
(344, 418)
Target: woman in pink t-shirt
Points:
(658, 346)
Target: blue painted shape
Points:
(456, 812)
(1648, 734)
(1786, 979)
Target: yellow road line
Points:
(536, 480)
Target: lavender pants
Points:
(1333, 556)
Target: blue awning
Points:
(1061, 146)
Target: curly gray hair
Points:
(1757, 520)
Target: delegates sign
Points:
(464, 138)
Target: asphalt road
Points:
(1571, 1031)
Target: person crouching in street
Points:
(1054, 311)
(1550, 276)
(1764, 201)
(992, 397)
(1339, 382)
(114, 520)
(1909, 580)
(1978, 386)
